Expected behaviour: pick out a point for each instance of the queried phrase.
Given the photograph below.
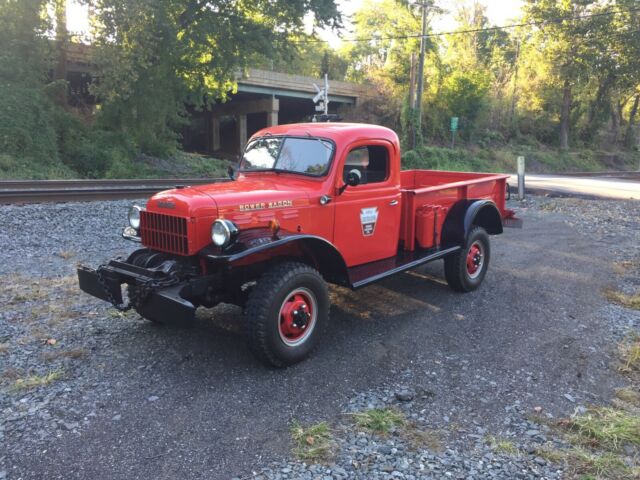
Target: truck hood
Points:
(183, 202)
(225, 198)
(248, 194)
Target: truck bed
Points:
(427, 196)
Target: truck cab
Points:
(308, 204)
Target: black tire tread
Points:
(256, 311)
(455, 265)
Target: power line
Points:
(474, 30)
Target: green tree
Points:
(562, 25)
(155, 56)
(27, 134)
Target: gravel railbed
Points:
(48, 330)
(43, 240)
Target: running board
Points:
(363, 275)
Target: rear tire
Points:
(286, 314)
(465, 270)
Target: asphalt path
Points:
(531, 330)
(588, 187)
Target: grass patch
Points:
(600, 441)
(628, 301)
(607, 428)
(502, 445)
(380, 420)
(314, 442)
(36, 381)
(630, 354)
(588, 465)
(629, 396)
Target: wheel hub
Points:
(295, 316)
(474, 259)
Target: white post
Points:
(521, 178)
(326, 94)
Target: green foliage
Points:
(409, 120)
(26, 124)
(503, 159)
(156, 56)
(380, 420)
(312, 443)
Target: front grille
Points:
(164, 232)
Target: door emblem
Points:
(368, 219)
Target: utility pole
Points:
(412, 101)
(423, 47)
(514, 95)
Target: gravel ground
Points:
(112, 396)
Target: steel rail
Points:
(42, 191)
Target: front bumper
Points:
(169, 305)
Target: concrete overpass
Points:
(263, 98)
(266, 98)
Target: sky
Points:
(500, 12)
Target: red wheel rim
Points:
(475, 259)
(297, 317)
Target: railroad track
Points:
(41, 191)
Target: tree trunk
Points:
(629, 139)
(596, 106)
(60, 70)
(565, 115)
(616, 117)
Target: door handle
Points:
(393, 203)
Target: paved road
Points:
(527, 337)
(612, 188)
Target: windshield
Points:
(308, 156)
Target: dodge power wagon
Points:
(309, 204)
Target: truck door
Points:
(367, 216)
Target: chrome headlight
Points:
(134, 216)
(223, 232)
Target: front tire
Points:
(286, 313)
(465, 270)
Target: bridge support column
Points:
(241, 126)
(215, 133)
(272, 118)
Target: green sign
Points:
(454, 124)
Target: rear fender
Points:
(263, 250)
(464, 215)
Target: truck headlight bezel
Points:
(134, 217)
(223, 232)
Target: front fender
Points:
(258, 246)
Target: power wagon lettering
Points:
(363, 221)
(264, 205)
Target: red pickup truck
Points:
(309, 204)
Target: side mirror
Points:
(353, 180)
(231, 172)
